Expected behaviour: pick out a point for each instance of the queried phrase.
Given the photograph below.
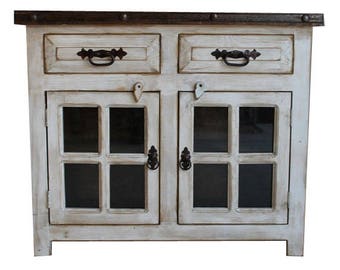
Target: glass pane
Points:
(82, 185)
(80, 129)
(210, 129)
(127, 130)
(256, 129)
(127, 186)
(255, 185)
(210, 185)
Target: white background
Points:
(323, 186)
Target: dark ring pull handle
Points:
(185, 162)
(112, 54)
(152, 162)
(224, 54)
(102, 64)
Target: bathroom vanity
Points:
(168, 126)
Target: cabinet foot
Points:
(43, 249)
(294, 248)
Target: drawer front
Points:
(142, 53)
(276, 53)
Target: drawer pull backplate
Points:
(224, 54)
(112, 54)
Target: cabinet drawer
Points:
(142, 53)
(195, 53)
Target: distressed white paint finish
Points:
(142, 53)
(42, 238)
(299, 142)
(195, 53)
(168, 232)
(169, 82)
(280, 158)
(59, 214)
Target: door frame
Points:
(59, 214)
(280, 158)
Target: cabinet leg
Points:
(42, 242)
(43, 249)
(295, 247)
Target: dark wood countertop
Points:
(112, 17)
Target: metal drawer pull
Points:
(224, 54)
(152, 162)
(120, 53)
(185, 162)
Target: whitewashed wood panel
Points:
(39, 158)
(143, 53)
(167, 232)
(195, 53)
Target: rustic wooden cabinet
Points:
(168, 126)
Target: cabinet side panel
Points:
(42, 244)
(299, 140)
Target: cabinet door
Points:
(239, 148)
(98, 144)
